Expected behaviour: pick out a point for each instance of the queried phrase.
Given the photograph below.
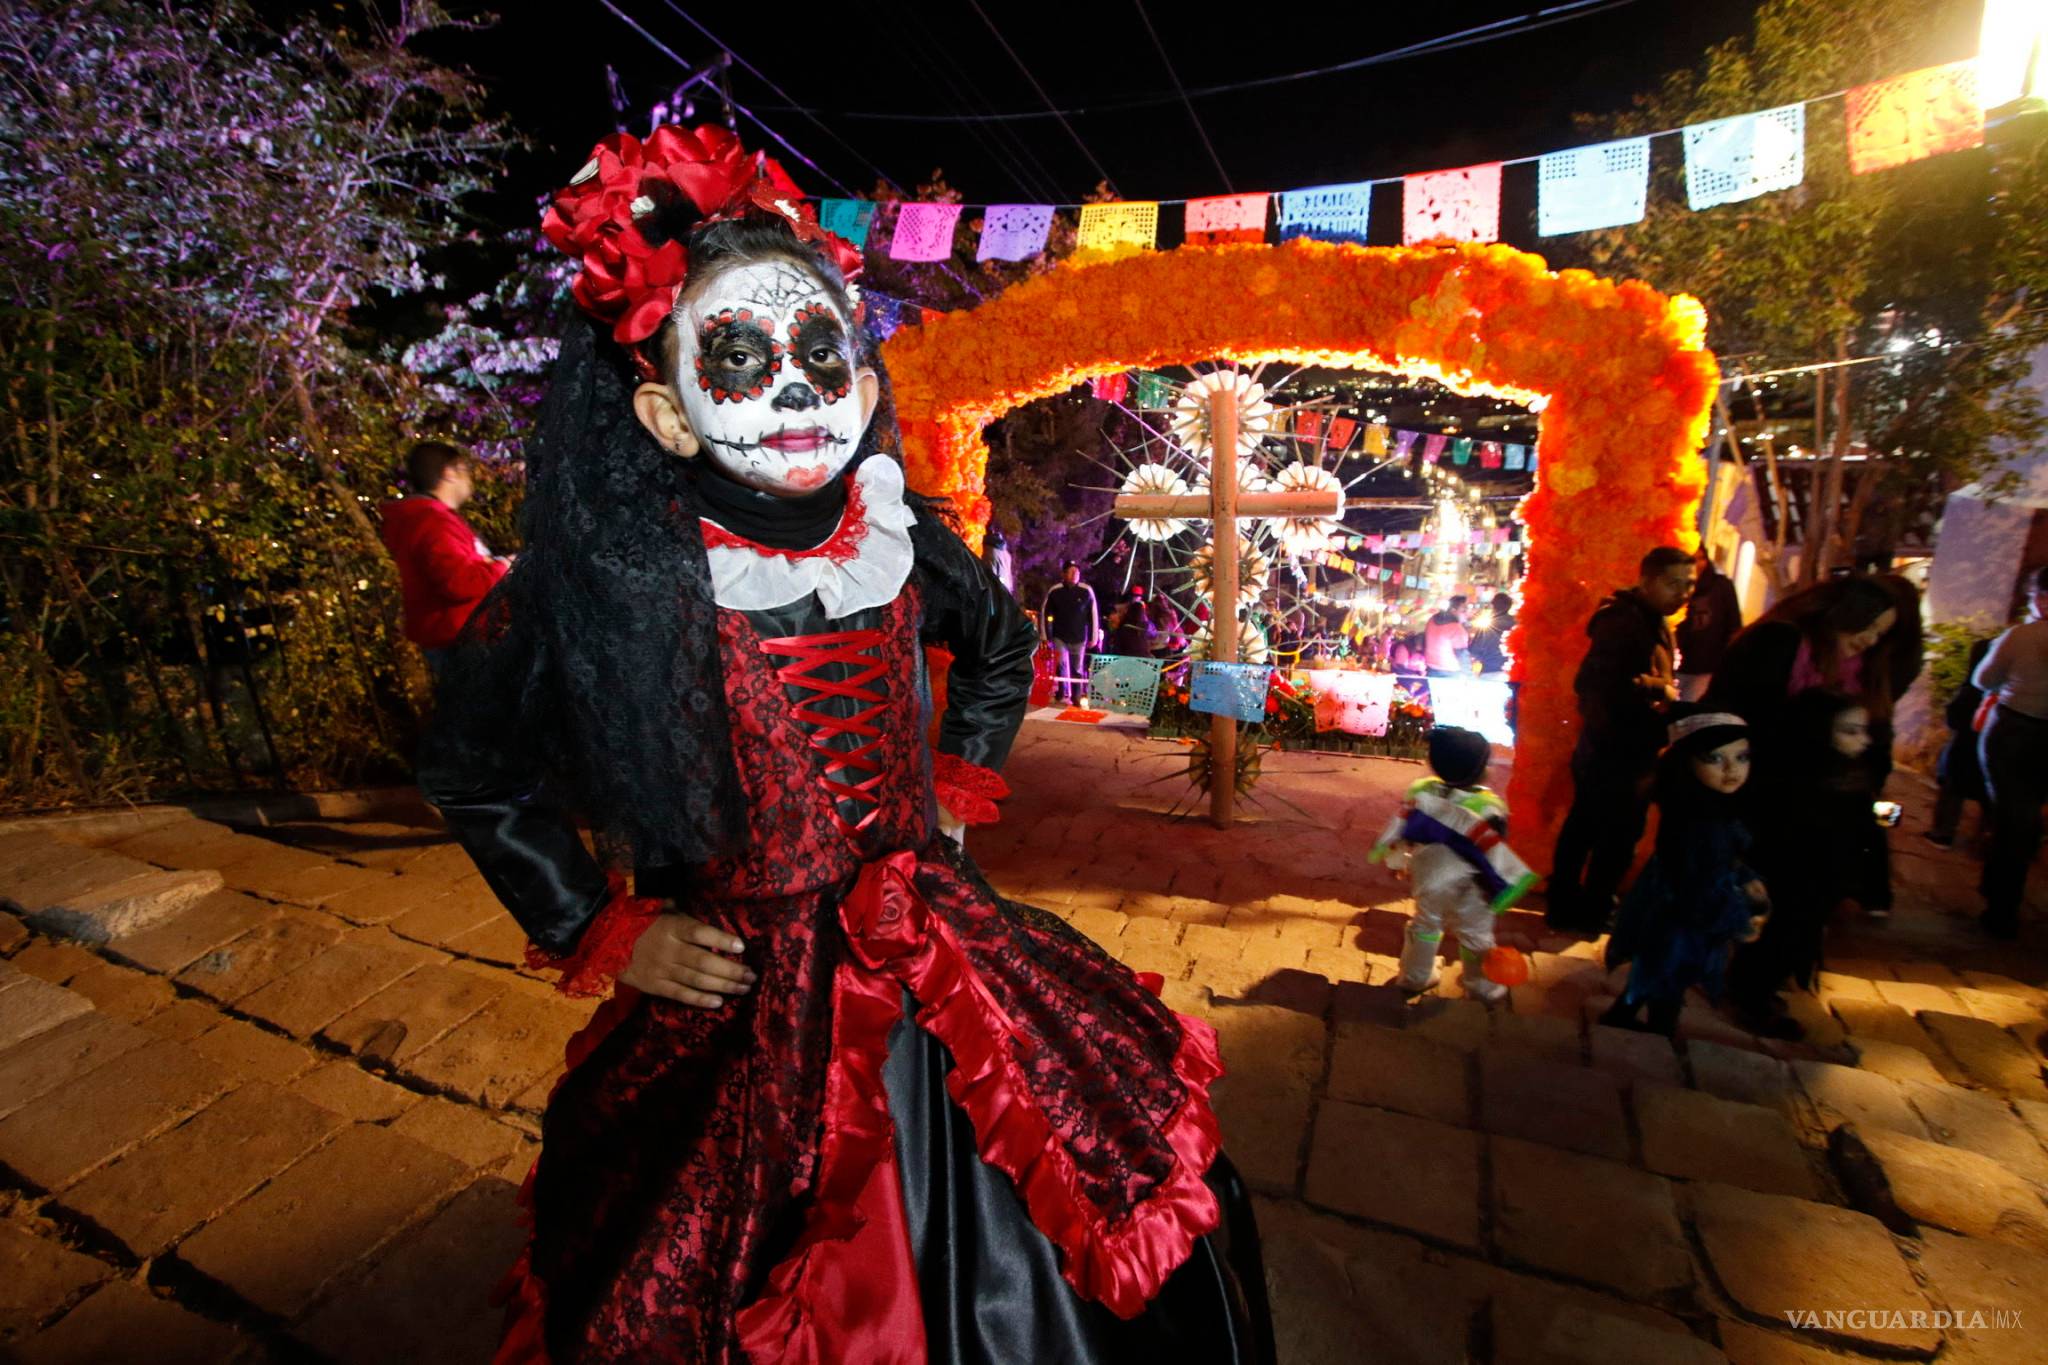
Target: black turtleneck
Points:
(801, 522)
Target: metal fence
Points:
(129, 674)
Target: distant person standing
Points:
(1624, 685)
(444, 568)
(1001, 561)
(1169, 636)
(1957, 771)
(1130, 629)
(1073, 626)
(1490, 645)
(1712, 618)
(2013, 749)
(1446, 647)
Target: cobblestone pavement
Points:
(266, 1094)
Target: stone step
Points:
(90, 894)
(29, 1006)
(1908, 1183)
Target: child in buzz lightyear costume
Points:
(1451, 839)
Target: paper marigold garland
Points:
(1625, 369)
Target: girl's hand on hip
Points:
(684, 959)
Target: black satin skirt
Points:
(990, 1280)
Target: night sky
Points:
(545, 66)
(1511, 97)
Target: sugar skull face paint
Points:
(767, 377)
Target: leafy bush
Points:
(192, 207)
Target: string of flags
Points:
(1156, 391)
(1403, 544)
(1890, 122)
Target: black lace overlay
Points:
(602, 637)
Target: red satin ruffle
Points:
(605, 949)
(897, 944)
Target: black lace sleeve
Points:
(589, 680)
(481, 768)
(973, 615)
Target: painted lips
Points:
(797, 442)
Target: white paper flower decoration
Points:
(1250, 478)
(1302, 535)
(1155, 479)
(1191, 413)
(1253, 569)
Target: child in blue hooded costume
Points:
(1697, 898)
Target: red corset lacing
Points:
(808, 653)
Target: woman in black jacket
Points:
(1858, 636)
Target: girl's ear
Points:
(869, 385)
(656, 407)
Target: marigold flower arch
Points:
(1624, 370)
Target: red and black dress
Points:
(942, 1126)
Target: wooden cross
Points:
(1222, 505)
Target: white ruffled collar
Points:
(864, 563)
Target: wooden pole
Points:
(1294, 504)
(1223, 594)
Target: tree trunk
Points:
(1838, 548)
(1772, 556)
(316, 437)
(1813, 537)
(1867, 479)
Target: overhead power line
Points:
(1450, 42)
(1002, 143)
(1174, 76)
(764, 126)
(1099, 171)
(780, 93)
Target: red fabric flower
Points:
(968, 790)
(606, 947)
(627, 281)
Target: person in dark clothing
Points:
(1957, 770)
(1698, 897)
(2013, 749)
(1489, 646)
(841, 1101)
(1130, 631)
(1712, 618)
(1624, 685)
(1072, 626)
(1822, 846)
(1858, 636)
(1169, 635)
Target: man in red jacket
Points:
(443, 567)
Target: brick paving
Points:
(266, 1094)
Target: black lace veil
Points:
(592, 668)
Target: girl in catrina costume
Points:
(1697, 898)
(843, 1102)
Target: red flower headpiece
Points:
(627, 281)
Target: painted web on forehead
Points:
(778, 289)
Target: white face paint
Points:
(767, 377)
